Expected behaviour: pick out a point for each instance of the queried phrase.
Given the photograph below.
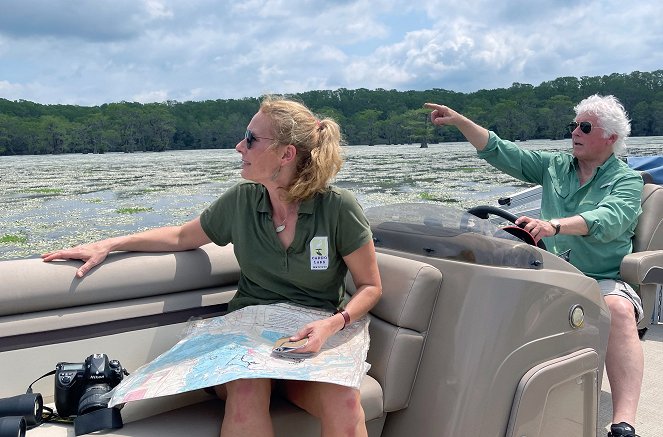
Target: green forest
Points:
(520, 112)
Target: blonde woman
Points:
(284, 210)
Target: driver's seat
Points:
(644, 267)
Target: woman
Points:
(295, 237)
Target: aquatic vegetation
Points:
(65, 200)
(427, 196)
(47, 191)
(133, 210)
(13, 239)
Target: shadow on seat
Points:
(644, 267)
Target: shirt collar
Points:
(573, 165)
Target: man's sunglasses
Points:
(585, 126)
(250, 138)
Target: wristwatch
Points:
(555, 224)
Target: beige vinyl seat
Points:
(398, 327)
(644, 267)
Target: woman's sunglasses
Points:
(250, 138)
(585, 126)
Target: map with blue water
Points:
(239, 345)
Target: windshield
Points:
(443, 232)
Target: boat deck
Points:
(649, 421)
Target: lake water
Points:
(50, 202)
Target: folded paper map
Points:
(240, 345)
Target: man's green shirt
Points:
(311, 271)
(609, 202)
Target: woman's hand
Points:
(165, 239)
(317, 333)
(92, 254)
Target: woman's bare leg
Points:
(338, 407)
(247, 408)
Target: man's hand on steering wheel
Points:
(484, 211)
(536, 227)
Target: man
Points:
(589, 209)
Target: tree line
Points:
(520, 112)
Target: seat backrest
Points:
(649, 231)
(399, 324)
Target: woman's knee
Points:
(248, 390)
(344, 403)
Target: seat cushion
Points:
(399, 323)
(649, 232)
(198, 413)
(124, 276)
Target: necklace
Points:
(280, 228)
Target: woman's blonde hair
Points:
(318, 143)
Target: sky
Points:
(90, 52)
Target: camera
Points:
(82, 387)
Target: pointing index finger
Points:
(432, 106)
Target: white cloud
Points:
(89, 53)
(10, 89)
(150, 96)
(157, 9)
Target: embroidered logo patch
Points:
(319, 249)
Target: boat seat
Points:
(398, 327)
(644, 267)
(399, 324)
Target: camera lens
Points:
(12, 426)
(93, 398)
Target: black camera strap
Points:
(29, 390)
(104, 418)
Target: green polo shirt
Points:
(311, 271)
(609, 202)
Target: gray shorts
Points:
(621, 288)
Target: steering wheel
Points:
(482, 211)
